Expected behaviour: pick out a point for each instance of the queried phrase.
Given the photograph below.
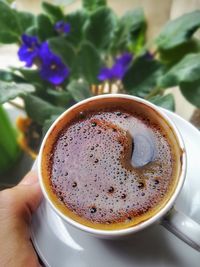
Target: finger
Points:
(30, 178)
(16, 207)
(28, 196)
(23, 199)
(31, 194)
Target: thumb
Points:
(22, 200)
(30, 191)
(16, 208)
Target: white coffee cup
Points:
(175, 221)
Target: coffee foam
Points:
(92, 169)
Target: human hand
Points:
(16, 208)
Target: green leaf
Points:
(60, 98)
(92, 5)
(142, 76)
(191, 91)
(87, 63)
(54, 12)
(45, 28)
(48, 123)
(10, 29)
(172, 56)
(26, 20)
(130, 31)
(8, 1)
(5, 1)
(8, 37)
(9, 19)
(8, 136)
(9, 91)
(9, 148)
(165, 101)
(8, 76)
(77, 21)
(32, 76)
(178, 31)
(99, 30)
(186, 70)
(39, 110)
(79, 90)
(61, 47)
(32, 31)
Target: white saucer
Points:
(59, 245)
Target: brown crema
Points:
(112, 166)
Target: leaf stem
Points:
(16, 105)
(154, 92)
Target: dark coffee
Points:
(112, 167)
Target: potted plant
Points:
(69, 57)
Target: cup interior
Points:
(95, 103)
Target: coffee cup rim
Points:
(135, 228)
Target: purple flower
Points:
(29, 49)
(62, 27)
(124, 59)
(105, 74)
(118, 71)
(52, 69)
(119, 68)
